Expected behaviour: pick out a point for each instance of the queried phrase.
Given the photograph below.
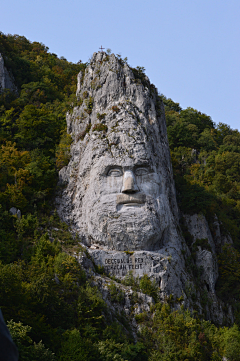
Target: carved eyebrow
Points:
(122, 169)
(116, 172)
(110, 167)
(142, 165)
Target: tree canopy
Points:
(52, 309)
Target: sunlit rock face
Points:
(120, 192)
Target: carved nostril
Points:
(129, 183)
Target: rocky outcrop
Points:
(205, 258)
(207, 243)
(120, 194)
(6, 81)
(118, 189)
(15, 212)
(119, 133)
(119, 298)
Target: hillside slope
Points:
(45, 293)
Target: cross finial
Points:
(101, 48)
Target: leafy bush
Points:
(63, 151)
(99, 128)
(75, 348)
(117, 294)
(89, 105)
(28, 350)
(110, 350)
(101, 116)
(149, 287)
(232, 343)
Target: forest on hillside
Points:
(50, 306)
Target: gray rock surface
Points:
(159, 267)
(130, 302)
(118, 189)
(6, 81)
(206, 260)
(15, 212)
(199, 229)
(120, 193)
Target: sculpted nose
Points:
(129, 183)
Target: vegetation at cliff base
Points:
(206, 162)
(53, 311)
(206, 165)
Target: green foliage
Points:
(229, 282)
(206, 165)
(203, 243)
(32, 122)
(52, 310)
(179, 336)
(85, 94)
(48, 292)
(63, 150)
(9, 244)
(143, 284)
(81, 135)
(141, 317)
(101, 116)
(100, 127)
(89, 105)
(28, 349)
(206, 162)
(140, 77)
(193, 198)
(149, 287)
(76, 348)
(170, 105)
(26, 225)
(110, 350)
(232, 343)
(129, 253)
(117, 294)
(130, 280)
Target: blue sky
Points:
(189, 48)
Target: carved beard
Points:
(136, 228)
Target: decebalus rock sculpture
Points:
(119, 193)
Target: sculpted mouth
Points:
(137, 198)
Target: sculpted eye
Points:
(115, 172)
(141, 171)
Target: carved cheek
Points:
(149, 185)
(112, 185)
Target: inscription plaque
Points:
(119, 264)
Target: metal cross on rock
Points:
(101, 48)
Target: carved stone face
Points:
(120, 190)
(123, 207)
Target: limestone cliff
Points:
(119, 193)
(6, 81)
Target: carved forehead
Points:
(126, 143)
(106, 161)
